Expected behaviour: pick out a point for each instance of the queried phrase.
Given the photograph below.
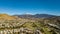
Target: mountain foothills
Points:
(30, 24)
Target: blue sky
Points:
(30, 7)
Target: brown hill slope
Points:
(6, 17)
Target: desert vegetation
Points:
(16, 25)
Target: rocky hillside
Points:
(17, 25)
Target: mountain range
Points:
(35, 16)
(44, 23)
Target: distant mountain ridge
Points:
(35, 16)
